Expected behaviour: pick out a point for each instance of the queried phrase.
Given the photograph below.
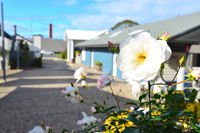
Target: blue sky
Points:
(34, 16)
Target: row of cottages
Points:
(184, 34)
(73, 37)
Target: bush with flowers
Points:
(160, 109)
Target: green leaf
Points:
(132, 118)
(142, 97)
(157, 96)
(131, 130)
(193, 95)
(162, 66)
(197, 129)
(109, 109)
(179, 98)
(139, 112)
(156, 119)
(65, 131)
(165, 115)
(131, 103)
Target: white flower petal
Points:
(140, 57)
(136, 89)
(79, 73)
(37, 129)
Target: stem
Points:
(176, 73)
(162, 77)
(116, 99)
(149, 88)
(178, 82)
(171, 83)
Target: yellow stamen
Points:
(141, 57)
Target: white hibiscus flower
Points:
(87, 121)
(37, 129)
(140, 57)
(72, 94)
(80, 74)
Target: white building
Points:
(75, 36)
(7, 41)
(34, 43)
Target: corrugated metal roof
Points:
(174, 26)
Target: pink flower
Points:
(110, 44)
(196, 74)
(80, 122)
(103, 81)
(93, 109)
(64, 92)
(165, 36)
(132, 108)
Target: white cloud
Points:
(9, 27)
(145, 10)
(89, 21)
(61, 26)
(70, 2)
(58, 35)
(32, 18)
(106, 13)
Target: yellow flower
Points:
(156, 113)
(111, 128)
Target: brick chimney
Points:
(50, 31)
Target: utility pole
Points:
(3, 45)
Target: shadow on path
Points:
(38, 99)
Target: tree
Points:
(124, 24)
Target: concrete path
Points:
(32, 96)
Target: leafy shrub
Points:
(38, 62)
(98, 63)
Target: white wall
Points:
(92, 58)
(114, 73)
(7, 43)
(37, 41)
(70, 50)
(83, 54)
(33, 46)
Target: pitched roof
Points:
(175, 26)
(82, 34)
(7, 35)
(53, 45)
(22, 37)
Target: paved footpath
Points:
(32, 96)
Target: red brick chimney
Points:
(50, 31)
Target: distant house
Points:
(30, 42)
(7, 41)
(53, 45)
(72, 37)
(184, 34)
